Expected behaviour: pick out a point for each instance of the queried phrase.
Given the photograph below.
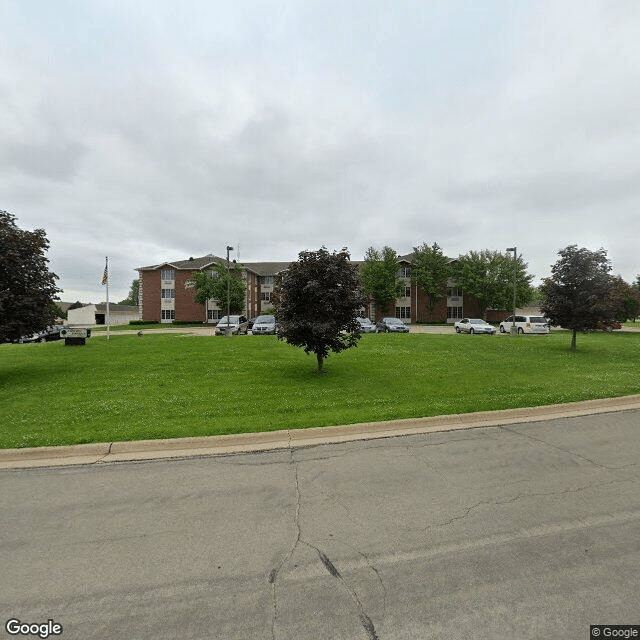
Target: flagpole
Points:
(106, 272)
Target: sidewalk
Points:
(297, 438)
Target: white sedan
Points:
(473, 325)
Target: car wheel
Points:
(457, 329)
(502, 329)
(520, 330)
(471, 331)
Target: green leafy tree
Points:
(577, 295)
(317, 300)
(488, 277)
(380, 279)
(132, 298)
(27, 287)
(219, 283)
(59, 312)
(623, 299)
(430, 270)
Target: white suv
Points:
(525, 324)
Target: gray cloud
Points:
(147, 133)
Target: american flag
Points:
(105, 275)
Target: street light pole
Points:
(228, 294)
(513, 317)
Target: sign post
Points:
(75, 335)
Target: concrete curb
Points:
(298, 438)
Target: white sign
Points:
(73, 332)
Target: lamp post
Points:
(513, 317)
(227, 332)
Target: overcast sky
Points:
(155, 130)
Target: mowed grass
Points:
(177, 385)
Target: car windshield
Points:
(476, 321)
(229, 320)
(265, 320)
(394, 321)
(364, 320)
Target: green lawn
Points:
(176, 385)
(147, 326)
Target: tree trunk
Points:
(320, 359)
(573, 340)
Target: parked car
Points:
(609, 325)
(525, 324)
(264, 325)
(48, 334)
(392, 325)
(474, 325)
(366, 326)
(235, 324)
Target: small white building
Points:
(96, 314)
(82, 316)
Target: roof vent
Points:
(190, 258)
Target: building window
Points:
(266, 279)
(214, 314)
(454, 292)
(454, 313)
(405, 272)
(265, 296)
(168, 314)
(403, 312)
(407, 292)
(168, 293)
(168, 274)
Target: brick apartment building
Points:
(166, 295)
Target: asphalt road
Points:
(517, 531)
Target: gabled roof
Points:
(190, 263)
(260, 268)
(267, 268)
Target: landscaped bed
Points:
(169, 386)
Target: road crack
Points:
(273, 574)
(557, 448)
(365, 620)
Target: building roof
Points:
(266, 268)
(260, 268)
(189, 263)
(102, 307)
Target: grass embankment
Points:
(167, 386)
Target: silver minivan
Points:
(264, 325)
(525, 324)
